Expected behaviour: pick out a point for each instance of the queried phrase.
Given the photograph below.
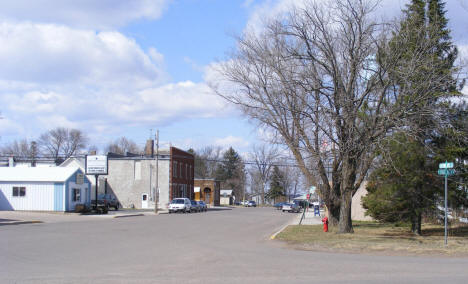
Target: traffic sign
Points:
(443, 172)
(312, 189)
(446, 165)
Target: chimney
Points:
(93, 152)
(149, 148)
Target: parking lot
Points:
(227, 245)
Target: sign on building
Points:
(79, 178)
(96, 165)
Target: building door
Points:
(144, 201)
(207, 194)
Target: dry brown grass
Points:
(373, 237)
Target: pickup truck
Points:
(107, 201)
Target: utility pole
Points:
(156, 194)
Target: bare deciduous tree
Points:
(320, 79)
(20, 148)
(122, 146)
(62, 142)
(263, 158)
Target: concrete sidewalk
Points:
(309, 218)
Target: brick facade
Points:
(209, 191)
(181, 174)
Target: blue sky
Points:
(117, 68)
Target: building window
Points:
(186, 171)
(180, 173)
(19, 191)
(175, 169)
(76, 195)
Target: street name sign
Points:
(443, 172)
(446, 166)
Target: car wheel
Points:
(283, 210)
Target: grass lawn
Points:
(374, 237)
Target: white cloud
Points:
(98, 14)
(51, 54)
(231, 141)
(54, 75)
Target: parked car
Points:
(202, 206)
(291, 207)
(194, 206)
(279, 205)
(108, 200)
(180, 205)
(251, 203)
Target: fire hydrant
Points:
(325, 224)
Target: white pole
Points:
(156, 194)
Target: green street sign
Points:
(443, 172)
(312, 189)
(446, 166)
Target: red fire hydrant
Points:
(325, 224)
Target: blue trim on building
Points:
(72, 178)
(58, 196)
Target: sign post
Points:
(96, 165)
(445, 169)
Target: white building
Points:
(226, 197)
(43, 188)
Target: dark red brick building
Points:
(181, 174)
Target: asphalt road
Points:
(230, 246)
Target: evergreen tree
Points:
(232, 172)
(276, 184)
(398, 189)
(404, 186)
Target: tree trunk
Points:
(416, 223)
(333, 214)
(345, 224)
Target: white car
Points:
(180, 204)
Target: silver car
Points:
(291, 207)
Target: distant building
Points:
(26, 162)
(226, 197)
(43, 188)
(207, 190)
(358, 212)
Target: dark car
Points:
(195, 206)
(202, 206)
(279, 205)
(109, 201)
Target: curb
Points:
(132, 215)
(272, 237)
(20, 222)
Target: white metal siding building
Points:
(43, 189)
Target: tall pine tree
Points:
(424, 37)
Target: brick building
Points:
(208, 190)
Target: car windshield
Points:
(193, 202)
(177, 201)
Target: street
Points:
(228, 246)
